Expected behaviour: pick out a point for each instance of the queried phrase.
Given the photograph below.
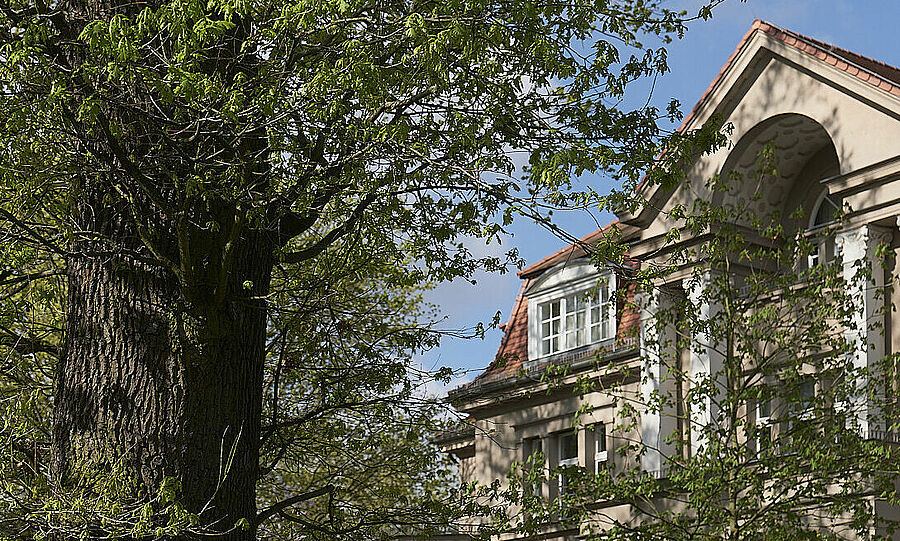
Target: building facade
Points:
(834, 118)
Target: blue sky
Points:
(867, 27)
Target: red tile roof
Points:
(514, 345)
(874, 72)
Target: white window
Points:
(570, 307)
(764, 426)
(568, 458)
(600, 453)
(826, 211)
(577, 319)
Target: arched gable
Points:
(772, 84)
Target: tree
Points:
(785, 434)
(216, 216)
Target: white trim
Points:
(601, 456)
(815, 211)
(763, 422)
(571, 462)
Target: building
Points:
(834, 118)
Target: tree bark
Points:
(160, 387)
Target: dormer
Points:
(571, 307)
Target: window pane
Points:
(545, 311)
(568, 446)
(765, 410)
(555, 308)
(554, 344)
(765, 437)
(595, 333)
(807, 390)
(580, 337)
(545, 348)
(595, 314)
(570, 322)
(570, 340)
(555, 327)
(600, 436)
(530, 447)
(580, 320)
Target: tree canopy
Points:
(216, 217)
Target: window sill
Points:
(571, 356)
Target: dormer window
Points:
(575, 320)
(570, 308)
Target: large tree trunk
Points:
(160, 374)
(162, 387)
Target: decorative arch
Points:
(803, 155)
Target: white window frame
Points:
(571, 462)
(825, 249)
(601, 443)
(560, 284)
(764, 422)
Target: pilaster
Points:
(706, 359)
(865, 277)
(659, 364)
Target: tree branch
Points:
(269, 512)
(333, 235)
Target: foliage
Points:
(364, 142)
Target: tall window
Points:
(568, 459)
(764, 427)
(802, 422)
(600, 453)
(576, 320)
(826, 211)
(532, 457)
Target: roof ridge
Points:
(834, 49)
